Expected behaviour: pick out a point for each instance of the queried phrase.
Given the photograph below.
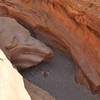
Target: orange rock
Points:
(72, 26)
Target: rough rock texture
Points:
(85, 12)
(20, 47)
(70, 25)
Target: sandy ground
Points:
(57, 77)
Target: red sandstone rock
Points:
(69, 25)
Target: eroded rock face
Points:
(23, 50)
(69, 25)
(85, 12)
